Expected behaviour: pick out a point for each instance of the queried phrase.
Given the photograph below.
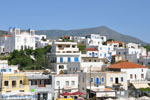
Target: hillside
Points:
(103, 30)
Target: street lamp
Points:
(90, 82)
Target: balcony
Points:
(42, 85)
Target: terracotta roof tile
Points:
(6, 36)
(125, 65)
(91, 49)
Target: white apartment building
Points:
(106, 51)
(94, 40)
(17, 40)
(65, 83)
(134, 71)
(63, 53)
(5, 68)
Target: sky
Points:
(130, 17)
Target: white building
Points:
(134, 71)
(41, 41)
(106, 51)
(65, 83)
(17, 40)
(133, 45)
(90, 40)
(5, 68)
(63, 53)
(116, 44)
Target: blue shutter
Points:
(61, 59)
(69, 59)
(9, 70)
(102, 79)
(105, 55)
(91, 79)
(76, 59)
(97, 81)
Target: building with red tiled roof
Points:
(125, 65)
(134, 71)
(91, 49)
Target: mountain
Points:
(102, 30)
(3, 32)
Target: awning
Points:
(140, 85)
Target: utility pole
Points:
(90, 83)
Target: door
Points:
(116, 80)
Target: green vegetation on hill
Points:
(29, 59)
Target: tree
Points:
(82, 47)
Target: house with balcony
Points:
(93, 84)
(63, 53)
(15, 86)
(65, 83)
(41, 85)
(118, 82)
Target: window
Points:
(142, 70)
(92, 80)
(95, 53)
(131, 76)
(97, 81)
(13, 83)
(142, 75)
(90, 60)
(73, 83)
(76, 59)
(83, 79)
(73, 46)
(21, 82)
(5, 83)
(105, 55)
(100, 54)
(121, 79)
(4, 70)
(61, 59)
(69, 59)
(102, 79)
(9, 70)
(67, 46)
(67, 83)
(100, 48)
(61, 66)
(21, 91)
(108, 49)
(89, 53)
(111, 79)
(57, 83)
(94, 60)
